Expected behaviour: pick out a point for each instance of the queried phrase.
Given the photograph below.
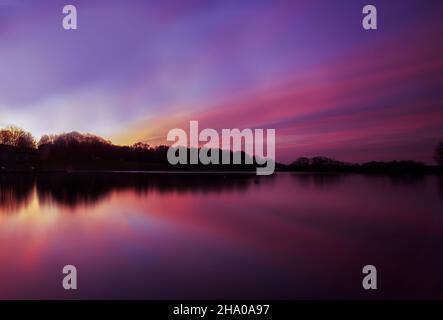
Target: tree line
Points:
(91, 151)
(84, 151)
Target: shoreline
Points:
(430, 171)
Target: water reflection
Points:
(73, 189)
(440, 186)
(15, 192)
(317, 180)
(412, 180)
(224, 236)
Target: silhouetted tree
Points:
(72, 138)
(5, 137)
(438, 154)
(45, 139)
(302, 162)
(17, 137)
(318, 164)
(76, 151)
(141, 146)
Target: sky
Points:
(133, 70)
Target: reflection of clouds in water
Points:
(76, 189)
(215, 228)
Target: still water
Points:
(204, 236)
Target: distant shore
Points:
(79, 153)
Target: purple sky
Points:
(136, 69)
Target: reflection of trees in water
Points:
(87, 188)
(318, 180)
(326, 180)
(15, 191)
(410, 180)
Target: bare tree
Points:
(141, 146)
(17, 137)
(45, 139)
(72, 138)
(5, 137)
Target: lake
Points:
(220, 236)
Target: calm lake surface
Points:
(204, 236)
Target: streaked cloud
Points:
(134, 70)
